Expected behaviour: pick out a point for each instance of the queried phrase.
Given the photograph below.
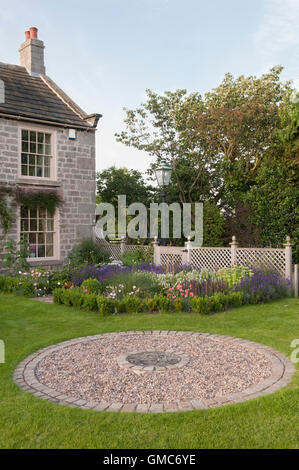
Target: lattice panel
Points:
(273, 258)
(138, 247)
(115, 251)
(171, 259)
(148, 250)
(210, 258)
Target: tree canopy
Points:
(235, 148)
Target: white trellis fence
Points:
(212, 258)
(278, 259)
(116, 250)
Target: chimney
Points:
(32, 53)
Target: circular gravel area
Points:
(153, 371)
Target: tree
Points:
(274, 201)
(113, 181)
(214, 143)
(289, 132)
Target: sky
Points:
(105, 53)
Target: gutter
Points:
(52, 123)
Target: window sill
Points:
(47, 261)
(37, 182)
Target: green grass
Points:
(30, 422)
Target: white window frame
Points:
(53, 160)
(56, 244)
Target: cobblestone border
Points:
(282, 371)
(139, 370)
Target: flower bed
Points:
(110, 289)
(137, 290)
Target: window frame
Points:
(53, 159)
(56, 237)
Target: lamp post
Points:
(163, 175)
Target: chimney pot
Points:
(33, 32)
(32, 53)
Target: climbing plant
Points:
(33, 198)
(6, 216)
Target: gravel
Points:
(90, 371)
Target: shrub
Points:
(133, 258)
(87, 252)
(262, 286)
(158, 303)
(58, 295)
(106, 306)
(219, 301)
(201, 305)
(178, 304)
(27, 289)
(234, 274)
(90, 302)
(164, 303)
(106, 272)
(235, 299)
(59, 278)
(66, 297)
(132, 304)
(15, 256)
(140, 283)
(9, 284)
(77, 297)
(92, 286)
(151, 304)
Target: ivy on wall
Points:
(6, 216)
(34, 198)
(31, 198)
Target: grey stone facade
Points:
(75, 180)
(64, 164)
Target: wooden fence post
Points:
(157, 261)
(122, 245)
(288, 259)
(296, 281)
(189, 248)
(233, 251)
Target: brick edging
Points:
(282, 371)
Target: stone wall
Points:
(76, 180)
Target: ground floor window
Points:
(38, 228)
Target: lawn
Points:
(29, 422)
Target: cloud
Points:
(277, 38)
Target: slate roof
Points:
(39, 99)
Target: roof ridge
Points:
(64, 97)
(12, 66)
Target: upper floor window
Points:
(36, 154)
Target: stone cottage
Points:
(47, 153)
